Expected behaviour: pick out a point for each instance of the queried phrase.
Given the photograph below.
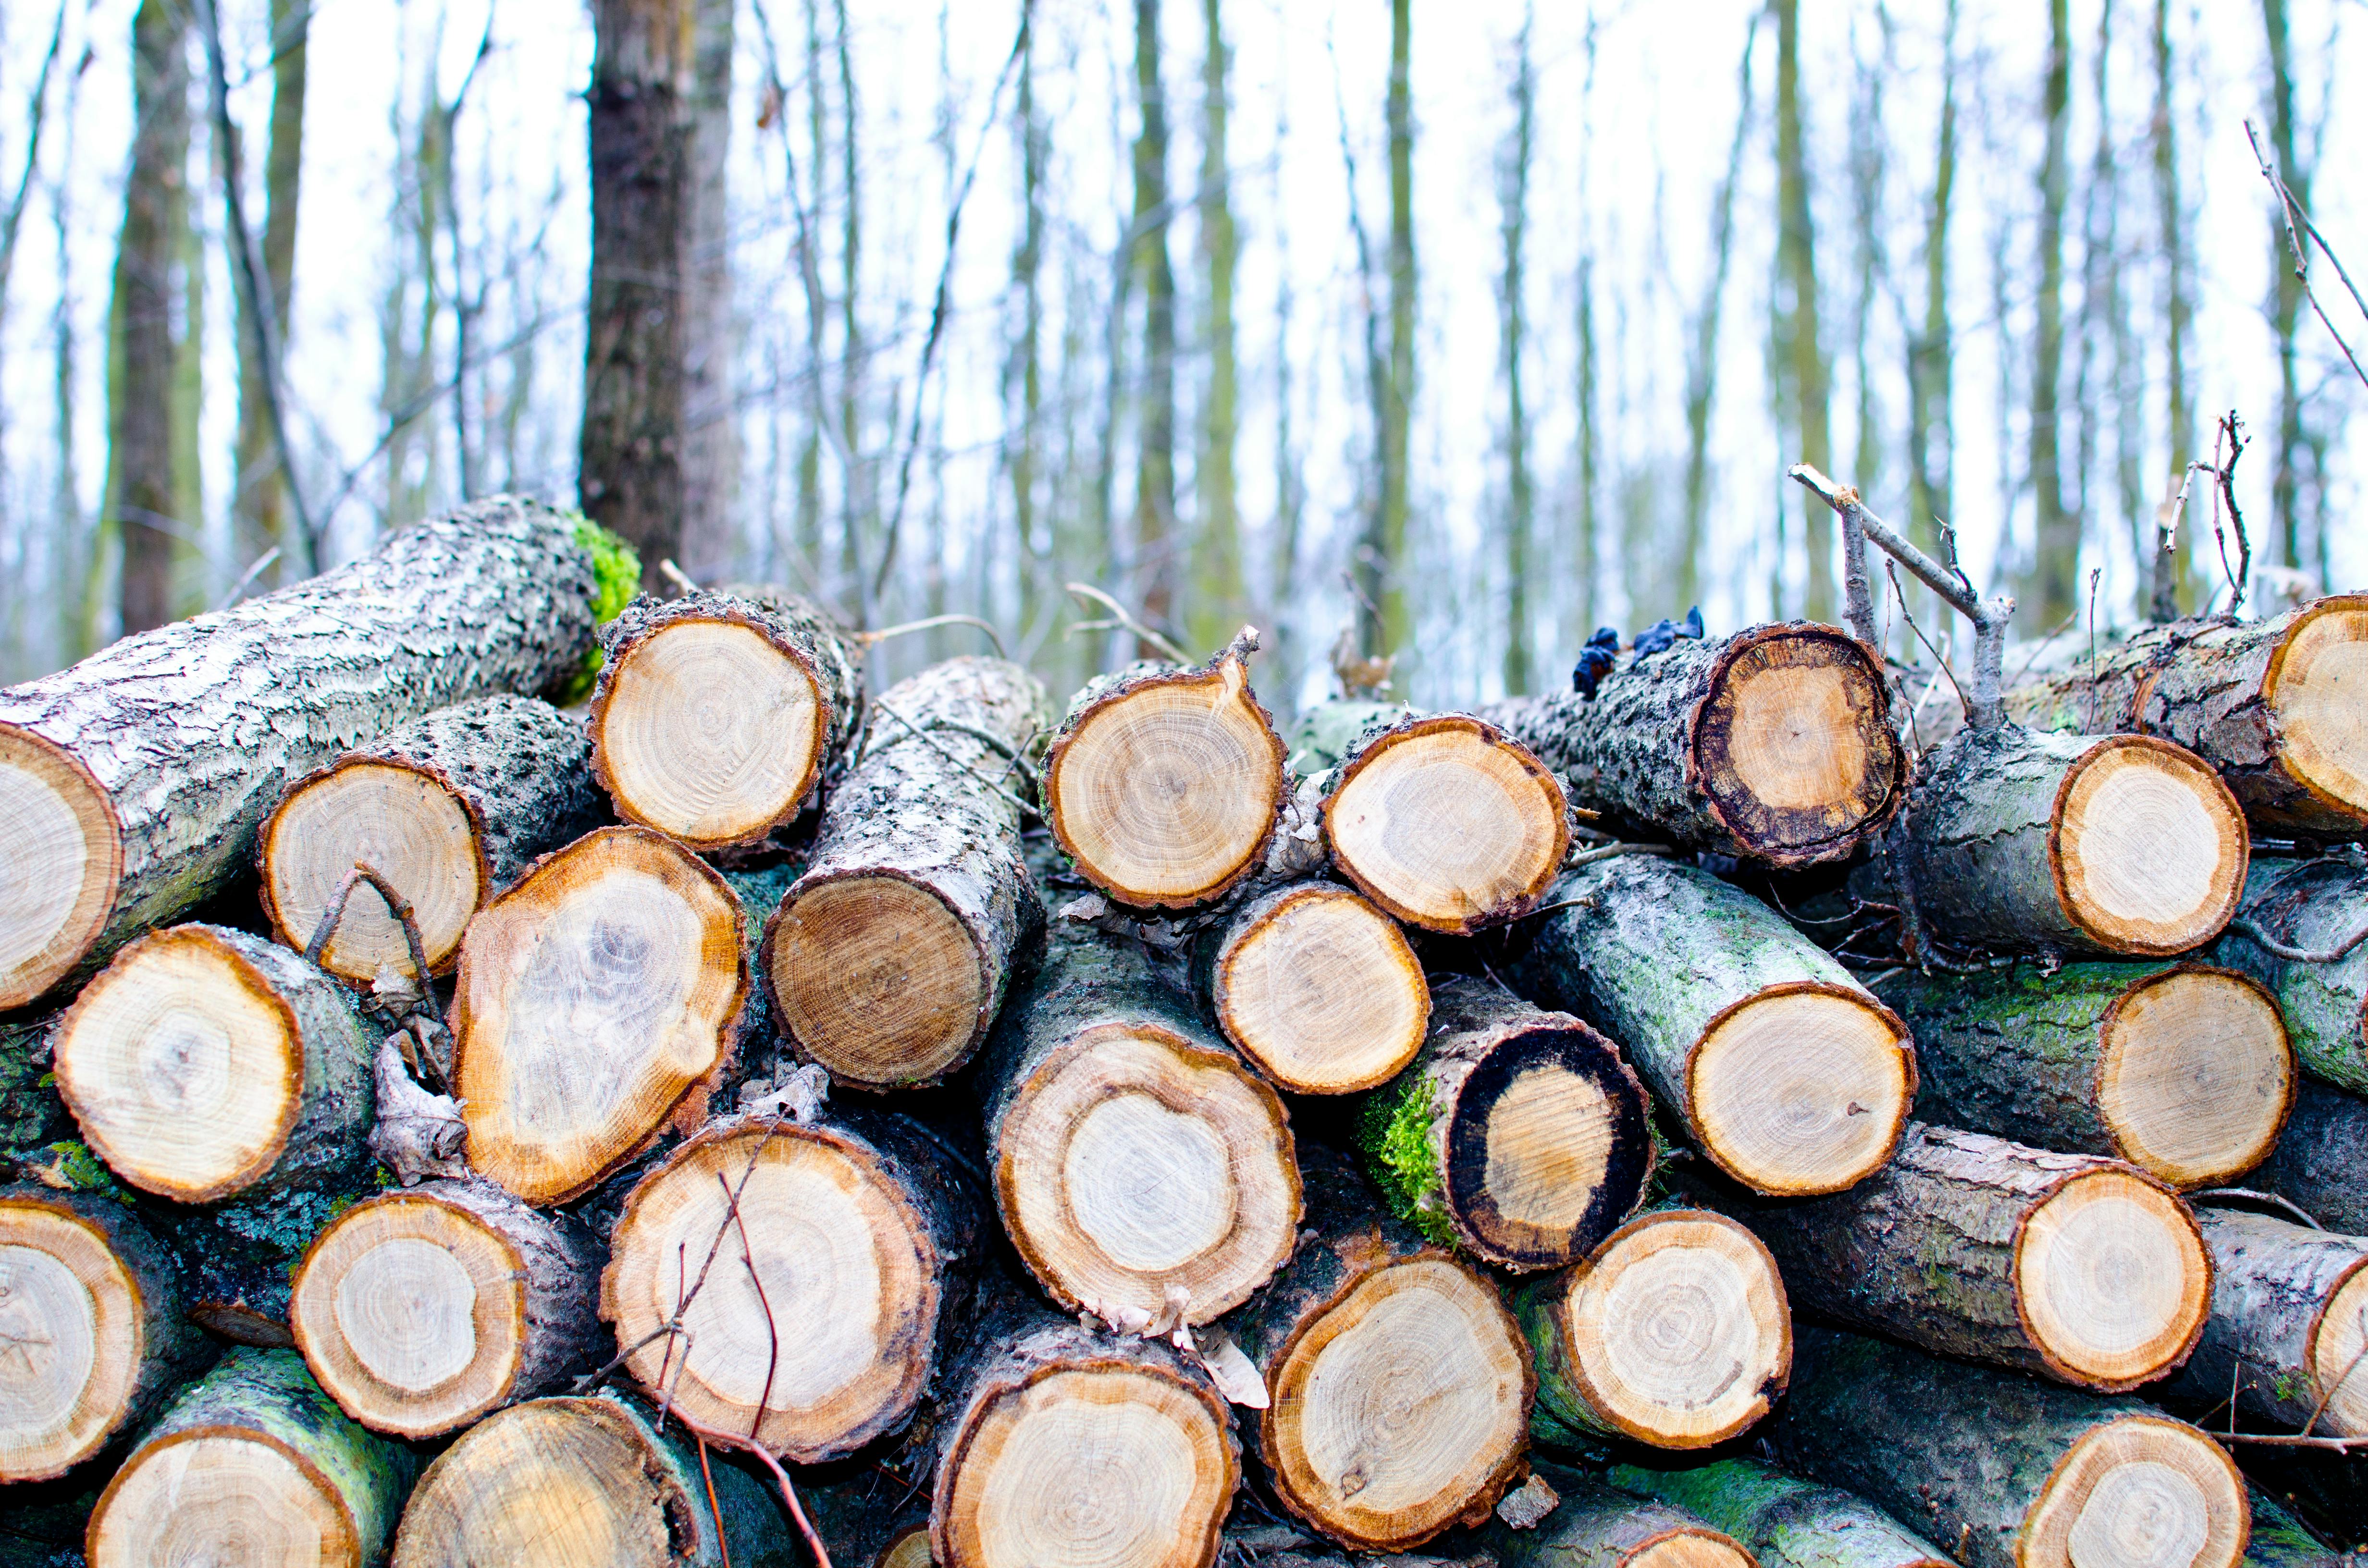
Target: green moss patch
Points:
(1395, 1128)
(616, 578)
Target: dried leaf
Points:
(1229, 1367)
(1528, 1503)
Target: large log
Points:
(450, 809)
(2007, 1471)
(2290, 1315)
(593, 1000)
(421, 1310)
(717, 713)
(1138, 1165)
(1518, 1134)
(131, 785)
(1163, 784)
(1789, 1073)
(2180, 1069)
(888, 959)
(2279, 1541)
(1675, 1331)
(91, 1313)
(2317, 906)
(814, 1316)
(1774, 743)
(1786, 1521)
(1398, 1383)
(2272, 704)
(2318, 1159)
(1595, 1526)
(206, 1063)
(1316, 986)
(252, 1464)
(2078, 1268)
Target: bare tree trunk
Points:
(1392, 627)
(2285, 489)
(1804, 378)
(1702, 364)
(2051, 591)
(1026, 365)
(1217, 544)
(1869, 172)
(2169, 575)
(1513, 192)
(258, 491)
(1930, 430)
(711, 545)
(859, 504)
(1155, 463)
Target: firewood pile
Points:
(494, 1073)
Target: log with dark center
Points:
(1773, 744)
(421, 1310)
(1793, 1078)
(2290, 1313)
(2318, 908)
(1399, 1385)
(2180, 1069)
(2078, 1268)
(1786, 1522)
(889, 958)
(2318, 1159)
(1596, 1526)
(1519, 1134)
(593, 999)
(450, 809)
(717, 713)
(1318, 987)
(2007, 1471)
(131, 785)
(1163, 784)
(206, 1063)
(1675, 1331)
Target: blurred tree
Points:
(712, 544)
(1217, 590)
(1513, 198)
(1930, 430)
(1155, 462)
(260, 495)
(2170, 588)
(1384, 622)
(1804, 377)
(2050, 591)
(2288, 453)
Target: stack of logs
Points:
(749, 1118)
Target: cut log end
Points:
(1793, 743)
(60, 859)
(1690, 1549)
(1167, 791)
(221, 1494)
(551, 1483)
(1134, 1165)
(1446, 824)
(1400, 1406)
(2138, 1493)
(183, 1065)
(1323, 991)
(2339, 1341)
(73, 1322)
(1109, 1465)
(2147, 846)
(878, 980)
(2312, 689)
(710, 730)
(2195, 1076)
(2112, 1279)
(1803, 1088)
(410, 829)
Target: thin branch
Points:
(247, 578)
(772, 1328)
(396, 905)
(1938, 657)
(2231, 432)
(2248, 1195)
(36, 112)
(2247, 927)
(905, 628)
(780, 1477)
(922, 735)
(1122, 620)
(713, 1511)
(2301, 257)
(676, 575)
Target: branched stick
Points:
(772, 1329)
(396, 905)
(706, 1434)
(905, 628)
(1938, 657)
(922, 735)
(1122, 620)
(2287, 207)
(2230, 434)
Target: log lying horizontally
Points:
(131, 785)
(1519, 1134)
(207, 1063)
(2279, 1540)
(449, 809)
(1318, 987)
(2078, 1268)
(2008, 1472)
(2179, 1069)
(1595, 1526)
(1675, 1331)
(593, 999)
(1773, 744)
(2318, 906)
(889, 958)
(2290, 1310)
(1787, 1522)
(2318, 1159)
(1791, 1075)
(717, 713)
(1399, 1384)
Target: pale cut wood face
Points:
(72, 1334)
(2149, 846)
(2112, 1277)
(1793, 743)
(1448, 826)
(222, 1497)
(2317, 692)
(2139, 1492)
(1691, 1550)
(61, 857)
(1801, 1091)
(550, 1483)
(1324, 994)
(2336, 1347)
(710, 731)
(879, 981)
(2195, 1076)
(410, 830)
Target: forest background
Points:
(1467, 327)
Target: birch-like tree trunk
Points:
(1803, 375)
(2050, 591)
(1513, 196)
(259, 496)
(1155, 470)
(1217, 586)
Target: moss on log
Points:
(1786, 1521)
(1595, 1526)
(2289, 1326)
(2318, 905)
(2318, 1159)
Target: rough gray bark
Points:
(2274, 1295)
(1786, 1521)
(1597, 1526)
(31, 1114)
(2318, 905)
(2279, 1540)
(2318, 1159)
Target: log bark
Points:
(253, 1463)
(451, 808)
(133, 783)
(2085, 1270)
(1787, 1073)
(2268, 703)
(2007, 1471)
(2016, 841)
(2318, 1159)
(2279, 1540)
(1138, 1165)
(1774, 743)
(1675, 1331)
(888, 958)
(2290, 1312)
(1318, 988)
(421, 1310)
(595, 1000)
(1518, 1134)
(31, 1115)
(824, 1306)
(2180, 1069)
(718, 714)
(91, 1309)
(1596, 1526)
(1399, 1385)
(206, 1063)
(565, 1482)
(1323, 736)
(2316, 906)
(1163, 784)
(1784, 1521)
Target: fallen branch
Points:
(2287, 208)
